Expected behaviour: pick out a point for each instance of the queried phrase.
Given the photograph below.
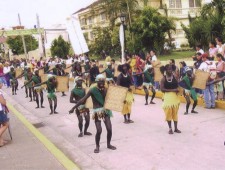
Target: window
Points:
(175, 4)
(83, 21)
(90, 20)
(102, 16)
(194, 3)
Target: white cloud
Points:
(50, 11)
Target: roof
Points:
(93, 4)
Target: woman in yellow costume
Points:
(171, 102)
(124, 80)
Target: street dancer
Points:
(124, 80)
(98, 94)
(13, 80)
(189, 92)
(148, 83)
(76, 94)
(109, 73)
(51, 86)
(58, 71)
(36, 79)
(171, 102)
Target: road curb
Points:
(58, 154)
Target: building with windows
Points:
(94, 15)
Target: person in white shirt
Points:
(220, 46)
(198, 50)
(153, 56)
(6, 70)
(209, 95)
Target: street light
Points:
(122, 36)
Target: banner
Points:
(21, 32)
(76, 36)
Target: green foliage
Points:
(150, 29)
(60, 48)
(208, 26)
(16, 44)
(104, 39)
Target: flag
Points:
(76, 36)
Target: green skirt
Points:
(51, 96)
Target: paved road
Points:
(144, 145)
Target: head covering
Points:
(50, 76)
(205, 55)
(100, 77)
(148, 67)
(187, 69)
(77, 78)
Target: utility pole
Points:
(42, 49)
(24, 44)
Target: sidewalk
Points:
(25, 151)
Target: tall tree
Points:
(150, 29)
(60, 47)
(208, 25)
(16, 44)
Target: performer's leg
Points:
(194, 105)
(98, 134)
(80, 124)
(129, 120)
(108, 126)
(42, 99)
(87, 122)
(17, 84)
(125, 119)
(12, 85)
(55, 105)
(34, 95)
(187, 97)
(176, 129)
(146, 95)
(37, 98)
(26, 91)
(153, 95)
(30, 93)
(50, 105)
(170, 127)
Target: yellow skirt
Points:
(128, 105)
(170, 106)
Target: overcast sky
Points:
(50, 11)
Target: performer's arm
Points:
(27, 83)
(163, 89)
(39, 84)
(81, 101)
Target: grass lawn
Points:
(177, 55)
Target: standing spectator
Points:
(6, 71)
(198, 50)
(212, 51)
(209, 95)
(176, 72)
(4, 121)
(198, 61)
(220, 46)
(107, 59)
(2, 74)
(220, 69)
(153, 55)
